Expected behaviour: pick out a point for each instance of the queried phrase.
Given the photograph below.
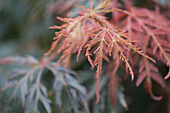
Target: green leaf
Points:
(45, 101)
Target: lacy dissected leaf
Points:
(152, 30)
(141, 30)
(26, 81)
(113, 80)
(91, 31)
(72, 35)
(24, 84)
(148, 71)
(64, 79)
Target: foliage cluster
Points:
(136, 37)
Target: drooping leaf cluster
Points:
(27, 81)
(139, 30)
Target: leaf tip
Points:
(167, 76)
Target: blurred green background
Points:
(24, 27)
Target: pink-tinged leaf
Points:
(131, 71)
(141, 69)
(168, 75)
(83, 8)
(127, 65)
(158, 79)
(53, 45)
(149, 88)
(91, 4)
(97, 90)
(79, 51)
(158, 98)
(140, 79)
(65, 19)
(88, 54)
(98, 72)
(53, 27)
(149, 72)
(103, 40)
(103, 4)
(112, 88)
(113, 81)
(61, 58)
(105, 57)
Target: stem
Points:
(39, 77)
(70, 98)
(37, 88)
(10, 99)
(36, 101)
